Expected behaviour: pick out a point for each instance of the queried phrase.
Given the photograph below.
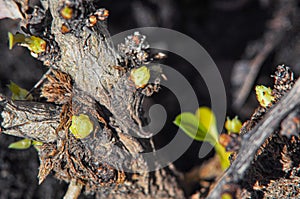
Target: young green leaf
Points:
(234, 125)
(81, 126)
(189, 123)
(21, 144)
(19, 93)
(223, 155)
(202, 126)
(208, 119)
(140, 76)
(37, 145)
(264, 95)
(33, 43)
(14, 39)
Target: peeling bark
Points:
(98, 88)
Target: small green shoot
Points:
(33, 43)
(36, 144)
(19, 93)
(234, 125)
(202, 126)
(25, 144)
(264, 95)
(21, 144)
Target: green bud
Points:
(234, 125)
(140, 76)
(81, 126)
(264, 95)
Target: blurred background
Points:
(247, 39)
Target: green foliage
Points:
(140, 76)
(33, 43)
(202, 126)
(264, 95)
(19, 93)
(21, 144)
(14, 39)
(234, 125)
(25, 144)
(81, 126)
(36, 144)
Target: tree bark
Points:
(90, 77)
(98, 89)
(255, 138)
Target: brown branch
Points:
(103, 92)
(255, 138)
(32, 120)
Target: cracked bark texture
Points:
(263, 159)
(106, 95)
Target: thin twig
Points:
(39, 82)
(254, 66)
(255, 138)
(73, 191)
(278, 27)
